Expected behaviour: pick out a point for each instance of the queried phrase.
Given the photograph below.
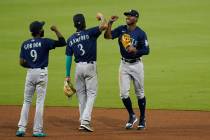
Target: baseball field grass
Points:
(177, 71)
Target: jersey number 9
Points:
(33, 54)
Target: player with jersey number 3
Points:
(133, 45)
(34, 56)
(83, 44)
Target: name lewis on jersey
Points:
(78, 39)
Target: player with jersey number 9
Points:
(34, 56)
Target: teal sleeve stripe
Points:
(68, 65)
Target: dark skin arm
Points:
(23, 63)
(107, 34)
(57, 32)
(131, 49)
(61, 41)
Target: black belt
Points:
(88, 62)
(131, 60)
(38, 68)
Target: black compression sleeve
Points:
(60, 42)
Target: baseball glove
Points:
(68, 89)
(126, 40)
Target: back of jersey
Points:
(36, 52)
(83, 45)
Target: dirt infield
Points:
(61, 123)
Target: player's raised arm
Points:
(61, 40)
(103, 23)
(108, 34)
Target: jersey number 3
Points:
(80, 46)
(33, 54)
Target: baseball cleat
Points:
(20, 133)
(39, 135)
(86, 127)
(132, 120)
(81, 128)
(142, 124)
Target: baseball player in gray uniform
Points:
(83, 44)
(34, 56)
(132, 48)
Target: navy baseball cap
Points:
(78, 19)
(132, 13)
(79, 22)
(36, 26)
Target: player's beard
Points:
(42, 34)
(130, 23)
